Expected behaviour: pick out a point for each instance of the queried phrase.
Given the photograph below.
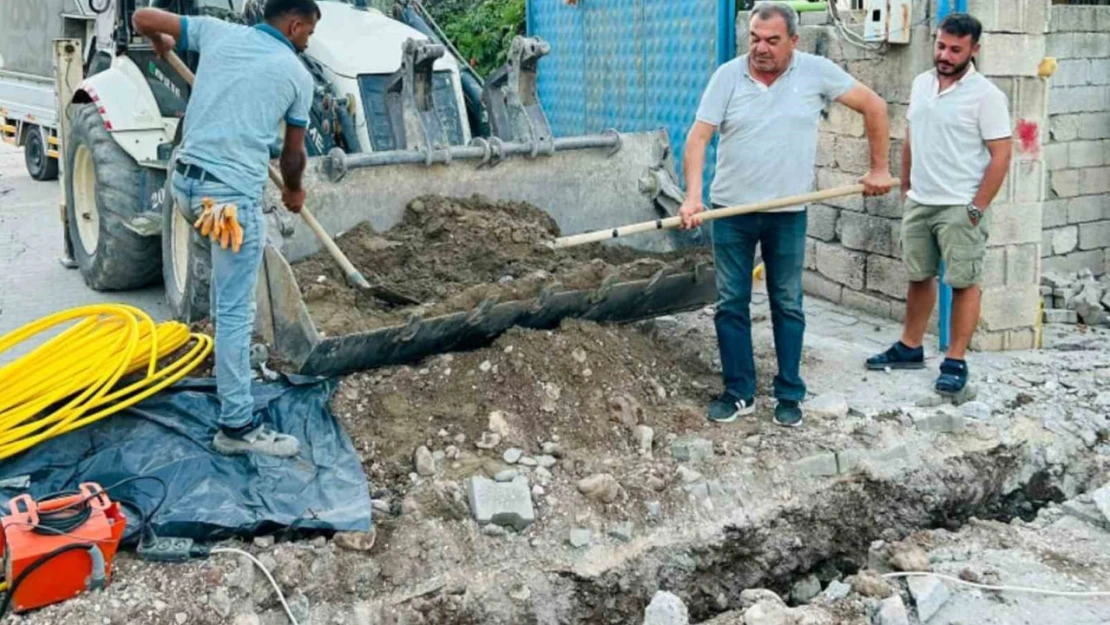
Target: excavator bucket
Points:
(584, 183)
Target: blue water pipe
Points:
(944, 7)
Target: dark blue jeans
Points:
(782, 239)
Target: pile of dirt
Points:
(453, 253)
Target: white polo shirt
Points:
(948, 131)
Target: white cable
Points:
(1038, 591)
(288, 612)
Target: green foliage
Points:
(482, 30)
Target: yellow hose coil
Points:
(71, 380)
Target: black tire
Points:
(187, 292)
(121, 259)
(39, 164)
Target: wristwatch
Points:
(974, 213)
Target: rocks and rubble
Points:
(1074, 298)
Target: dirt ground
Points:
(450, 254)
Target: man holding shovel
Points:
(248, 82)
(767, 105)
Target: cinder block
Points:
(1064, 240)
(1028, 179)
(1094, 180)
(1085, 99)
(1021, 339)
(1095, 260)
(820, 286)
(1013, 224)
(1011, 54)
(1064, 128)
(889, 205)
(1102, 19)
(826, 149)
(828, 178)
(994, 267)
(1093, 126)
(1094, 235)
(841, 265)
(1065, 183)
(887, 276)
(1091, 45)
(1010, 307)
(1022, 263)
(898, 125)
(1061, 315)
(1099, 71)
(871, 234)
(870, 304)
(1088, 208)
(811, 253)
(1046, 243)
(822, 222)
(1059, 45)
(853, 155)
(1054, 213)
(1085, 154)
(1067, 18)
(1030, 102)
(843, 121)
(1071, 73)
(984, 341)
(1056, 156)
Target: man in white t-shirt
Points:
(954, 161)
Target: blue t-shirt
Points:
(248, 81)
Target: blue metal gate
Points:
(633, 65)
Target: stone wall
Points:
(1077, 210)
(854, 247)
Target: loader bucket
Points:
(624, 178)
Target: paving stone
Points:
(666, 609)
(827, 405)
(691, 449)
(580, 538)
(506, 504)
(929, 595)
(892, 612)
(818, 465)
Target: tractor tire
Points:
(39, 164)
(102, 183)
(186, 260)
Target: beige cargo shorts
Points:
(934, 233)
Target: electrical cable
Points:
(1037, 591)
(74, 378)
(277, 589)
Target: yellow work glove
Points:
(221, 224)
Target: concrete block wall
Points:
(854, 249)
(1076, 222)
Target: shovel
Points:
(354, 276)
(671, 223)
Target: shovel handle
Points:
(353, 275)
(671, 223)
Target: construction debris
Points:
(1076, 298)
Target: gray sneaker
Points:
(261, 440)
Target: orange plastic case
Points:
(67, 574)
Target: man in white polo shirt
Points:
(767, 105)
(954, 161)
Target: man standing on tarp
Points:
(767, 104)
(249, 80)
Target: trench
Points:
(828, 534)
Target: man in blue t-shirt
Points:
(249, 81)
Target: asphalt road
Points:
(33, 283)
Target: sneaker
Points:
(259, 440)
(788, 413)
(898, 357)
(953, 377)
(728, 407)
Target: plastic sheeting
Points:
(210, 496)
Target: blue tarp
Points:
(210, 496)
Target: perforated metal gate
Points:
(633, 65)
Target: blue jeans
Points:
(782, 239)
(232, 295)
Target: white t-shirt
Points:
(948, 135)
